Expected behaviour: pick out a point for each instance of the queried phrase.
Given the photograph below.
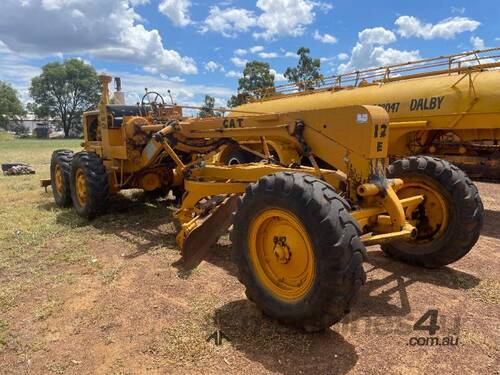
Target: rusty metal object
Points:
(199, 241)
(16, 169)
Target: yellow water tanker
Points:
(452, 113)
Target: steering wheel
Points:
(152, 99)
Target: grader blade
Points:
(208, 230)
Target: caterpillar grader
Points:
(299, 229)
(447, 107)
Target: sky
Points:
(198, 47)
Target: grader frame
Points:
(353, 139)
(299, 230)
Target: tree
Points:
(10, 105)
(207, 110)
(64, 91)
(257, 82)
(307, 73)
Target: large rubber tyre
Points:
(236, 155)
(464, 211)
(60, 169)
(88, 174)
(156, 194)
(333, 233)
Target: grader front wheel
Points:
(297, 250)
(448, 221)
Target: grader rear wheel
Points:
(297, 250)
(448, 221)
(89, 184)
(60, 167)
(235, 155)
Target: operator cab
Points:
(116, 113)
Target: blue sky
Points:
(199, 47)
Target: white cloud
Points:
(4, 48)
(108, 29)
(278, 77)
(409, 26)
(324, 38)
(228, 22)
(177, 79)
(138, 2)
(377, 35)
(291, 54)
(284, 17)
(173, 79)
(391, 56)
(342, 56)
(133, 85)
(234, 74)
(324, 7)
(240, 52)
(459, 10)
(369, 56)
(177, 11)
(477, 42)
(277, 18)
(183, 93)
(326, 59)
(18, 72)
(238, 61)
(369, 51)
(256, 49)
(212, 66)
(268, 55)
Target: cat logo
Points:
(232, 123)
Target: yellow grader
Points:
(299, 230)
(447, 107)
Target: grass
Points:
(3, 330)
(29, 227)
(108, 289)
(487, 291)
(46, 250)
(47, 309)
(35, 152)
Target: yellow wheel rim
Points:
(81, 187)
(58, 179)
(432, 215)
(281, 254)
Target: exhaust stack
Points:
(118, 96)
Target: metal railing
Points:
(477, 60)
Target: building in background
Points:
(30, 125)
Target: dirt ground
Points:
(105, 298)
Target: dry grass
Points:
(104, 296)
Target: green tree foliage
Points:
(207, 110)
(64, 91)
(257, 82)
(307, 70)
(10, 105)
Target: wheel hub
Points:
(81, 187)
(431, 215)
(281, 250)
(58, 179)
(282, 254)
